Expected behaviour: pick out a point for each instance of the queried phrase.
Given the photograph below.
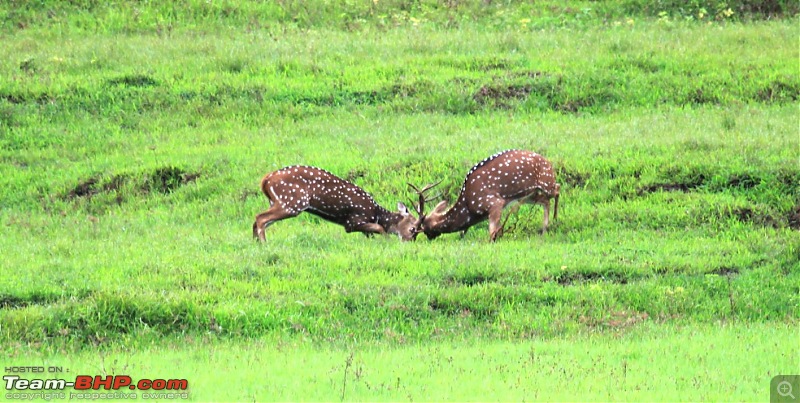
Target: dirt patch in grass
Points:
(571, 177)
(778, 92)
(759, 217)
(744, 181)
(134, 80)
(84, 189)
(469, 279)
(794, 218)
(567, 278)
(684, 185)
(454, 307)
(726, 271)
(508, 90)
(8, 301)
(167, 179)
(163, 180)
(500, 94)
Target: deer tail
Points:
(265, 182)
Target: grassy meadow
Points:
(132, 145)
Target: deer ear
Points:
(402, 208)
(439, 209)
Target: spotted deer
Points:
(297, 188)
(491, 185)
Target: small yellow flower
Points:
(629, 21)
(524, 20)
(728, 13)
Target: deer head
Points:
(418, 224)
(433, 220)
(405, 227)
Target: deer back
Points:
(500, 179)
(509, 175)
(304, 188)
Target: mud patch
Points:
(452, 307)
(469, 279)
(501, 95)
(408, 90)
(666, 187)
(166, 179)
(794, 218)
(508, 90)
(571, 177)
(778, 92)
(12, 98)
(483, 64)
(134, 80)
(84, 189)
(725, 271)
(163, 180)
(572, 278)
(743, 181)
(95, 185)
(686, 184)
(701, 96)
(27, 97)
(789, 180)
(8, 301)
(757, 216)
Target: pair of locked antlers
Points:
(420, 207)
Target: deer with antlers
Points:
(491, 185)
(297, 188)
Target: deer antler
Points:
(420, 207)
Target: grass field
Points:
(652, 362)
(132, 146)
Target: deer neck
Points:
(386, 218)
(457, 218)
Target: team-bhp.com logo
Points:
(88, 387)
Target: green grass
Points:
(131, 153)
(164, 17)
(132, 262)
(731, 362)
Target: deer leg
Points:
(464, 232)
(511, 211)
(555, 201)
(495, 228)
(555, 207)
(265, 219)
(546, 205)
